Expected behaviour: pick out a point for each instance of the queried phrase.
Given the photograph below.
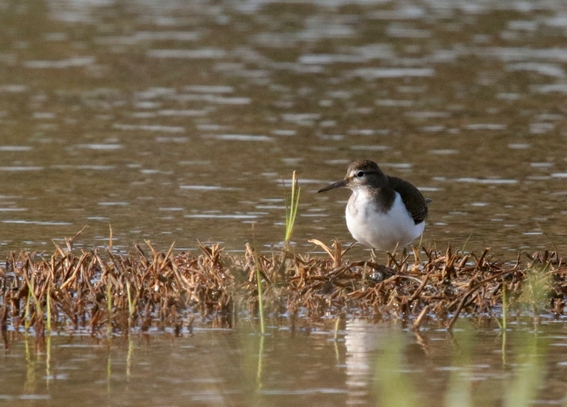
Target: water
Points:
(307, 367)
(178, 121)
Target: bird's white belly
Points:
(380, 230)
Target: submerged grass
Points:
(110, 293)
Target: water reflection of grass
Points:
(393, 389)
(394, 385)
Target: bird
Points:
(383, 212)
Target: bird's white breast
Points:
(377, 229)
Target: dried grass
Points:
(103, 292)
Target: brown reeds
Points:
(108, 293)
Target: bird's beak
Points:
(339, 184)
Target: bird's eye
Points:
(360, 174)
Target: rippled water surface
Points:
(364, 366)
(178, 121)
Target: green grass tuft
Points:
(291, 208)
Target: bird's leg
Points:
(373, 256)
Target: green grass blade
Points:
(48, 308)
(109, 305)
(291, 208)
(260, 295)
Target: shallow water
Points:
(177, 121)
(238, 368)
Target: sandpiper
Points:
(383, 212)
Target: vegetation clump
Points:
(104, 292)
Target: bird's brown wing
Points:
(411, 197)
